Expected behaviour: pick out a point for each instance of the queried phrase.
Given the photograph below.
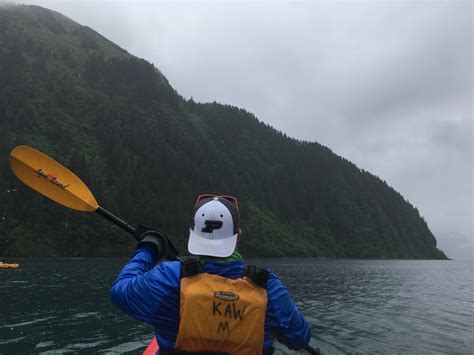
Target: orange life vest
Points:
(218, 314)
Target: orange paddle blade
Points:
(51, 179)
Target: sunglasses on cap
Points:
(231, 199)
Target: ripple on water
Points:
(57, 352)
(86, 314)
(44, 344)
(17, 282)
(79, 346)
(11, 341)
(22, 324)
(126, 347)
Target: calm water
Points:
(359, 307)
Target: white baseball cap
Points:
(215, 228)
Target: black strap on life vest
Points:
(190, 266)
(259, 276)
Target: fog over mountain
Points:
(387, 85)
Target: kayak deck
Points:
(152, 347)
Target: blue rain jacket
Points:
(152, 294)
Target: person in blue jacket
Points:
(212, 304)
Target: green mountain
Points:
(146, 153)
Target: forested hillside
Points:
(146, 152)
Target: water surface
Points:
(353, 306)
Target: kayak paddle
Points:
(312, 350)
(61, 185)
(58, 183)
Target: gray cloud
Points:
(385, 84)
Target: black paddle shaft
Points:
(312, 350)
(117, 221)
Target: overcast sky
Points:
(386, 84)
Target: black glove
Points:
(156, 241)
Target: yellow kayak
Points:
(9, 265)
